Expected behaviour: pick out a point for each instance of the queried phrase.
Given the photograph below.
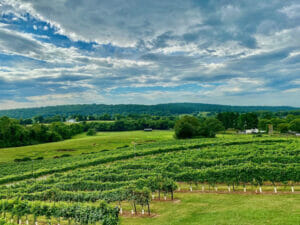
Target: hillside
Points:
(230, 179)
(160, 109)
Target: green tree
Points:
(187, 127)
(295, 125)
(283, 127)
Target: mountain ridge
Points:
(158, 109)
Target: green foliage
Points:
(91, 132)
(12, 133)
(229, 119)
(283, 127)
(161, 109)
(189, 126)
(82, 214)
(186, 127)
(263, 124)
(295, 125)
(3, 222)
(248, 121)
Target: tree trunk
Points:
(148, 209)
(172, 195)
(159, 194)
(134, 205)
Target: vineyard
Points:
(127, 185)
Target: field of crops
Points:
(155, 177)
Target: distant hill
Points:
(160, 109)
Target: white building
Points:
(252, 131)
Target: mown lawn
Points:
(82, 143)
(223, 209)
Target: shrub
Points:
(25, 159)
(91, 132)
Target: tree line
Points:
(12, 133)
(261, 120)
(125, 109)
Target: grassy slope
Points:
(233, 209)
(82, 143)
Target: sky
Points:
(149, 52)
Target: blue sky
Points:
(147, 52)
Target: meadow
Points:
(230, 179)
(82, 143)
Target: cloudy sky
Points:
(149, 51)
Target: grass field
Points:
(82, 143)
(223, 209)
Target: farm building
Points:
(251, 131)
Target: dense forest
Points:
(39, 129)
(160, 109)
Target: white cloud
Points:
(245, 49)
